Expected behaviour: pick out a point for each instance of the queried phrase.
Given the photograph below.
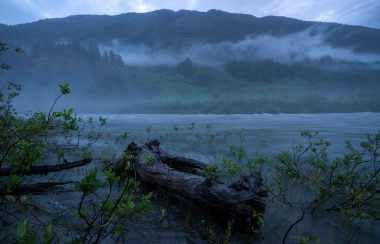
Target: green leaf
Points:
(211, 170)
(90, 183)
(147, 159)
(48, 234)
(111, 176)
(21, 229)
(13, 181)
(64, 88)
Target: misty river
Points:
(264, 134)
(206, 137)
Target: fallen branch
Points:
(45, 169)
(292, 225)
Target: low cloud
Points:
(295, 48)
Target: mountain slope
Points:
(165, 27)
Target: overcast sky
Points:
(355, 12)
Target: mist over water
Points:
(265, 134)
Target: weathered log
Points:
(182, 164)
(45, 169)
(34, 188)
(185, 177)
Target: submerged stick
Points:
(34, 188)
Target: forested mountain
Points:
(189, 61)
(171, 28)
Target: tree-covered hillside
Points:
(192, 62)
(167, 27)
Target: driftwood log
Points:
(45, 169)
(40, 170)
(185, 178)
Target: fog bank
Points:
(310, 44)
